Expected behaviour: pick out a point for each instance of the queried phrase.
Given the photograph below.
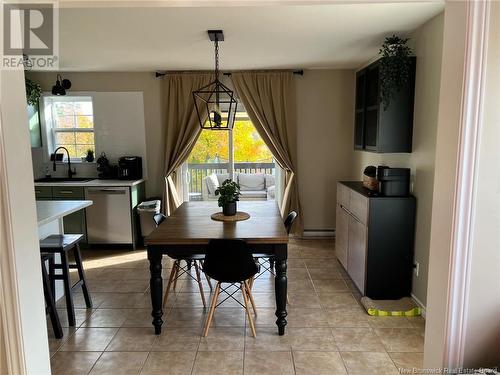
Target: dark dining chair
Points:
(230, 261)
(179, 269)
(264, 261)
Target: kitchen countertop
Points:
(48, 211)
(358, 187)
(91, 183)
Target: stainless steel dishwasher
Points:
(109, 218)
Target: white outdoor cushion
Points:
(271, 192)
(269, 181)
(251, 181)
(222, 177)
(253, 194)
(212, 183)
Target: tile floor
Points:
(327, 333)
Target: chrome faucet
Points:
(70, 172)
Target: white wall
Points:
(450, 102)
(482, 339)
(324, 134)
(21, 197)
(119, 130)
(427, 42)
(325, 110)
(138, 82)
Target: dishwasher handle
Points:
(107, 190)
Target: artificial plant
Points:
(395, 64)
(33, 91)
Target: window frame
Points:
(47, 109)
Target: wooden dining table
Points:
(189, 229)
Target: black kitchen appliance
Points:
(105, 169)
(394, 182)
(130, 168)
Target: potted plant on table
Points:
(229, 194)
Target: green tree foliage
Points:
(213, 146)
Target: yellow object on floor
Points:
(401, 307)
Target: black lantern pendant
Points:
(61, 86)
(215, 103)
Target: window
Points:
(249, 147)
(240, 150)
(71, 121)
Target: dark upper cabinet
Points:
(383, 130)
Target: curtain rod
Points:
(299, 72)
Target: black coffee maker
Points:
(130, 168)
(394, 182)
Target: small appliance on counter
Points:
(394, 182)
(130, 168)
(370, 178)
(105, 169)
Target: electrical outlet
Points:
(416, 268)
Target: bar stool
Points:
(62, 244)
(49, 297)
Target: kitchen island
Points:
(51, 213)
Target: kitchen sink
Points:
(64, 179)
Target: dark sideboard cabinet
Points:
(374, 240)
(383, 130)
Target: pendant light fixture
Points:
(61, 86)
(215, 103)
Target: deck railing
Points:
(198, 171)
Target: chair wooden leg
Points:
(250, 297)
(81, 276)
(49, 300)
(169, 284)
(52, 279)
(68, 293)
(244, 292)
(212, 309)
(250, 282)
(209, 281)
(200, 285)
(206, 276)
(177, 262)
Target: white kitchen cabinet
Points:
(342, 233)
(356, 256)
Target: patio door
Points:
(226, 154)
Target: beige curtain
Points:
(269, 98)
(182, 130)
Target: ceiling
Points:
(256, 37)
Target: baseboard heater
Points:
(319, 233)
